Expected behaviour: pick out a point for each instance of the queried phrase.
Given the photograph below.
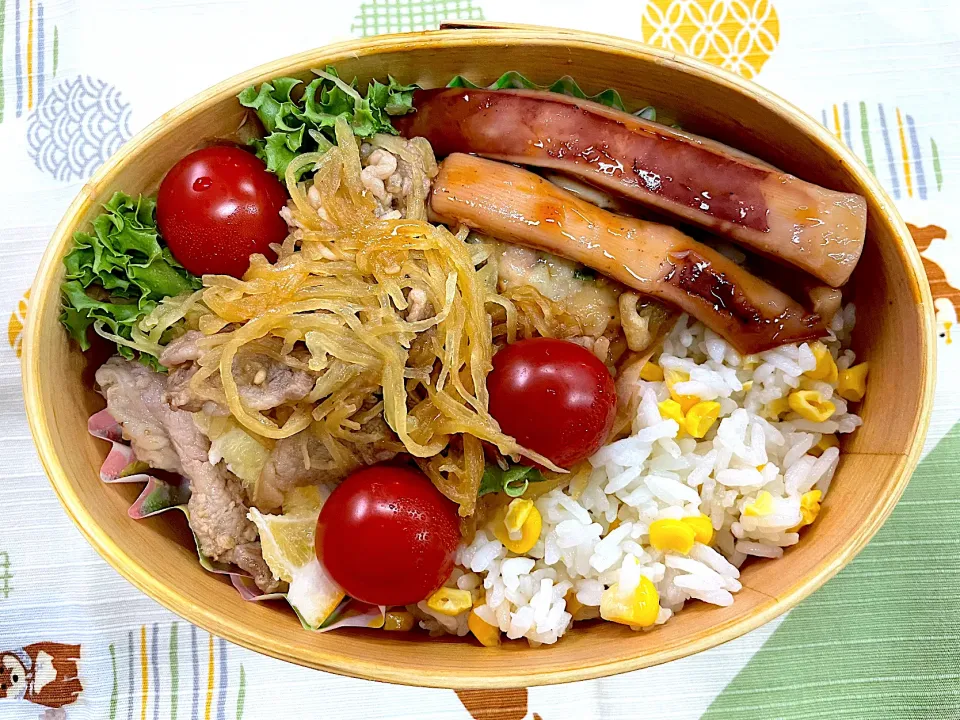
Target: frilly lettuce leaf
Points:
(117, 274)
(299, 125)
(565, 86)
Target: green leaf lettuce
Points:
(566, 85)
(300, 123)
(117, 274)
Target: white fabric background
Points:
(158, 53)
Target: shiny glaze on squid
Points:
(694, 178)
(516, 205)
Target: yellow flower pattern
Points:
(738, 35)
(15, 326)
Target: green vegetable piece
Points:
(276, 152)
(271, 102)
(459, 81)
(363, 123)
(514, 481)
(76, 322)
(80, 311)
(518, 478)
(117, 274)
(492, 480)
(305, 124)
(399, 97)
(584, 273)
(564, 86)
(128, 227)
(647, 113)
(160, 279)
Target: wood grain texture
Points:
(895, 332)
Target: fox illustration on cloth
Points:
(44, 673)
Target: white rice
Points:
(655, 474)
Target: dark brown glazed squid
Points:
(516, 205)
(696, 179)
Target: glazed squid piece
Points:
(516, 205)
(695, 179)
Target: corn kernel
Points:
(763, 505)
(573, 605)
(825, 441)
(671, 410)
(809, 508)
(811, 498)
(778, 407)
(673, 377)
(637, 609)
(450, 601)
(398, 621)
(577, 609)
(517, 513)
(853, 382)
(702, 528)
(826, 368)
(810, 501)
(651, 372)
(810, 405)
(701, 417)
(487, 634)
(529, 530)
(748, 386)
(668, 535)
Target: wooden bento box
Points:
(894, 332)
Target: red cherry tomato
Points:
(387, 536)
(554, 397)
(218, 206)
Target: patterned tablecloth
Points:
(881, 640)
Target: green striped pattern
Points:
(174, 672)
(865, 134)
(388, 16)
(938, 173)
(115, 692)
(882, 639)
(5, 575)
(241, 693)
(154, 674)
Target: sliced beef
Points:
(384, 448)
(249, 558)
(168, 439)
(182, 350)
(420, 308)
(304, 459)
(263, 381)
(134, 397)
(218, 514)
(181, 396)
(301, 459)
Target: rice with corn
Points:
(728, 458)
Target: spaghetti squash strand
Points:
(340, 302)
